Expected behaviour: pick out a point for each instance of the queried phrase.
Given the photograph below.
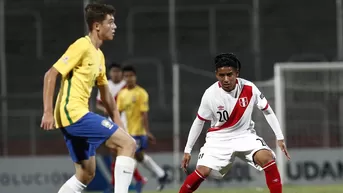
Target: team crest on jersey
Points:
(243, 102)
(106, 123)
(65, 59)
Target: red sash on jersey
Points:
(239, 109)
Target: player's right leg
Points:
(84, 137)
(193, 180)
(84, 173)
(211, 162)
(82, 152)
(125, 163)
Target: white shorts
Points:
(219, 154)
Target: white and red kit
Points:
(232, 131)
(115, 88)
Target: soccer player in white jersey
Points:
(115, 85)
(228, 104)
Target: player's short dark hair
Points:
(227, 59)
(114, 65)
(129, 68)
(97, 12)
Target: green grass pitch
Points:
(286, 189)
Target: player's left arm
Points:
(106, 97)
(262, 103)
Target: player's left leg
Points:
(125, 163)
(262, 157)
(140, 180)
(265, 159)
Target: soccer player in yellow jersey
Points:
(134, 101)
(82, 66)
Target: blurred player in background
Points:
(115, 85)
(228, 104)
(134, 101)
(82, 66)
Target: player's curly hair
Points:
(227, 59)
(97, 12)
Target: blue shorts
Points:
(86, 135)
(141, 141)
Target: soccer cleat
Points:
(140, 185)
(162, 182)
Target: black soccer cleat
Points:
(162, 182)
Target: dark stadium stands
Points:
(287, 28)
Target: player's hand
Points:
(151, 138)
(185, 162)
(282, 145)
(47, 121)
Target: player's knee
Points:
(130, 145)
(85, 176)
(204, 171)
(263, 157)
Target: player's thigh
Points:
(258, 153)
(121, 139)
(86, 135)
(219, 160)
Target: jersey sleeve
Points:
(102, 79)
(144, 101)
(204, 111)
(260, 100)
(71, 57)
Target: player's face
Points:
(116, 74)
(130, 78)
(106, 29)
(227, 77)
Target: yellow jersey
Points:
(81, 66)
(134, 102)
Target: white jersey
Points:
(115, 88)
(230, 112)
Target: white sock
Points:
(151, 165)
(123, 172)
(73, 185)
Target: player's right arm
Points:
(63, 66)
(204, 114)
